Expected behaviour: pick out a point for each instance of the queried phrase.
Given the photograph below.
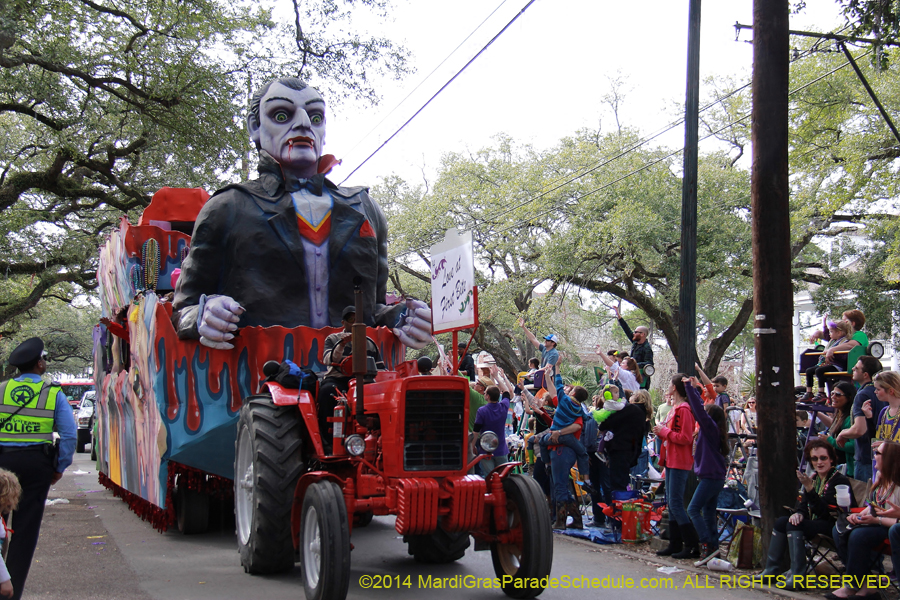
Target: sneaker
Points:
(707, 553)
(820, 398)
(807, 397)
(595, 522)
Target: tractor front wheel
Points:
(530, 557)
(325, 543)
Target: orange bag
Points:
(636, 521)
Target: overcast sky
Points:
(543, 78)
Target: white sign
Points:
(453, 282)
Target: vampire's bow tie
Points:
(314, 184)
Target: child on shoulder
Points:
(568, 411)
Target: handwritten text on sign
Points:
(452, 280)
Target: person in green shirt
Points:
(476, 398)
(858, 338)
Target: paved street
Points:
(94, 548)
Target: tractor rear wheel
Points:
(531, 556)
(325, 543)
(268, 463)
(438, 547)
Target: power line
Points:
(443, 87)
(603, 161)
(532, 218)
(421, 83)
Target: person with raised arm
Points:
(710, 465)
(549, 353)
(641, 349)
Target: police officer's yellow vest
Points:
(33, 404)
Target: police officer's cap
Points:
(348, 310)
(27, 353)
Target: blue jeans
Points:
(643, 464)
(894, 537)
(561, 461)
(676, 481)
(862, 472)
(487, 465)
(702, 510)
(856, 549)
(574, 444)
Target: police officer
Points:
(30, 412)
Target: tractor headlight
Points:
(355, 445)
(489, 441)
(649, 370)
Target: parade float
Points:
(180, 424)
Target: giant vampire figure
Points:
(285, 249)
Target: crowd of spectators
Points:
(616, 439)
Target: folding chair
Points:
(582, 498)
(878, 563)
(727, 520)
(817, 551)
(737, 441)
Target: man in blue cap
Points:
(31, 408)
(549, 353)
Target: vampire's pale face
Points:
(292, 128)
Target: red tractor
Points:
(400, 448)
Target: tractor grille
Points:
(435, 430)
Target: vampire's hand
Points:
(218, 318)
(414, 328)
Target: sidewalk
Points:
(76, 556)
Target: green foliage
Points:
(582, 375)
(102, 104)
(748, 383)
(66, 329)
(873, 18)
(595, 220)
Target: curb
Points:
(687, 568)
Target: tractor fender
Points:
(306, 480)
(305, 404)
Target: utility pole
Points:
(687, 301)
(772, 287)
